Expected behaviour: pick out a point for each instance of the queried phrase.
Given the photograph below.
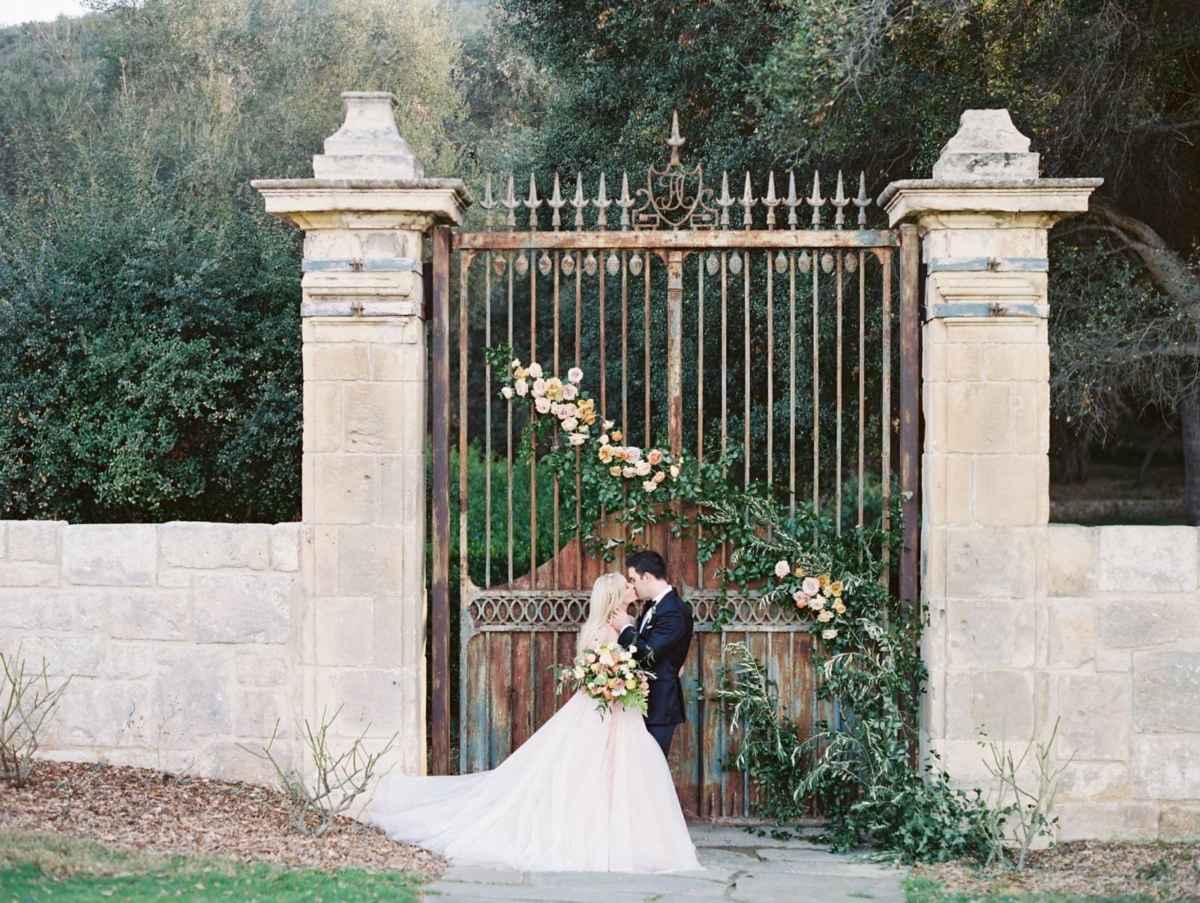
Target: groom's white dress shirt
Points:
(642, 621)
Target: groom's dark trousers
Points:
(662, 646)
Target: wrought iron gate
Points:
(702, 319)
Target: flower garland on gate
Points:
(793, 560)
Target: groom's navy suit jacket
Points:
(662, 647)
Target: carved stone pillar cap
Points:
(1050, 199)
(986, 146)
(368, 145)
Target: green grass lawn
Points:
(37, 867)
(925, 890)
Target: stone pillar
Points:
(365, 216)
(984, 219)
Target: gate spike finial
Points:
(556, 203)
(602, 203)
(676, 141)
(862, 202)
(816, 201)
(579, 202)
(747, 202)
(840, 201)
(488, 203)
(625, 201)
(533, 203)
(792, 201)
(511, 203)
(725, 201)
(771, 201)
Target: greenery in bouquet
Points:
(608, 674)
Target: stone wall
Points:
(1118, 656)
(181, 639)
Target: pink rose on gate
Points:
(642, 468)
(507, 392)
(782, 569)
(575, 375)
(522, 388)
(800, 598)
(816, 603)
(566, 411)
(628, 473)
(569, 424)
(649, 485)
(811, 586)
(633, 453)
(535, 371)
(569, 392)
(539, 388)
(543, 405)
(577, 439)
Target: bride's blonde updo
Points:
(608, 592)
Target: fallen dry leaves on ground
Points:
(141, 809)
(1164, 871)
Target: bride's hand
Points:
(620, 619)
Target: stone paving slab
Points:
(738, 866)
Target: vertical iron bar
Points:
(440, 583)
(675, 351)
(578, 477)
(910, 406)
(770, 363)
(487, 417)
(625, 347)
(862, 385)
(533, 449)
(792, 382)
(557, 564)
(603, 266)
(746, 362)
(646, 348)
(885, 426)
(724, 357)
(816, 386)
(699, 391)
(508, 467)
(837, 469)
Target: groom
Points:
(662, 636)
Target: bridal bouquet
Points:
(608, 674)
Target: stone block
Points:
(1107, 821)
(393, 647)
(1137, 619)
(402, 489)
(368, 698)
(384, 417)
(153, 614)
(129, 661)
(1011, 490)
(3, 539)
(1018, 362)
(1148, 559)
(1070, 632)
(65, 656)
(1072, 558)
(200, 545)
(979, 418)
(1031, 417)
(404, 362)
(1165, 766)
(227, 761)
(1166, 691)
(370, 561)
(321, 559)
(34, 540)
(1006, 330)
(376, 331)
(990, 563)
(285, 547)
(243, 608)
(28, 573)
(264, 666)
(990, 634)
(999, 702)
(100, 713)
(964, 363)
(344, 631)
(110, 554)
(322, 416)
(341, 361)
(1095, 711)
(345, 488)
(1179, 823)
(193, 688)
(38, 609)
(1094, 781)
(255, 711)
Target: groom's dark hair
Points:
(648, 561)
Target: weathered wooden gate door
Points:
(703, 321)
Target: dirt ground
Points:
(1085, 868)
(141, 809)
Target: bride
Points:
(587, 792)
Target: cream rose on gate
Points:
(782, 569)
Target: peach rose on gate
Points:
(654, 456)
(828, 634)
(615, 470)
(659, 477)
(836, 587)
(825, 617)
(520, 373)
(823, 580)
(801, 599)
(606, 452)
(840, 607)
(649, 485)
(617, 436)
(628, 473)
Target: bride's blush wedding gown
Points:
(587, 792)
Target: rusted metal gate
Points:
(702, 320)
